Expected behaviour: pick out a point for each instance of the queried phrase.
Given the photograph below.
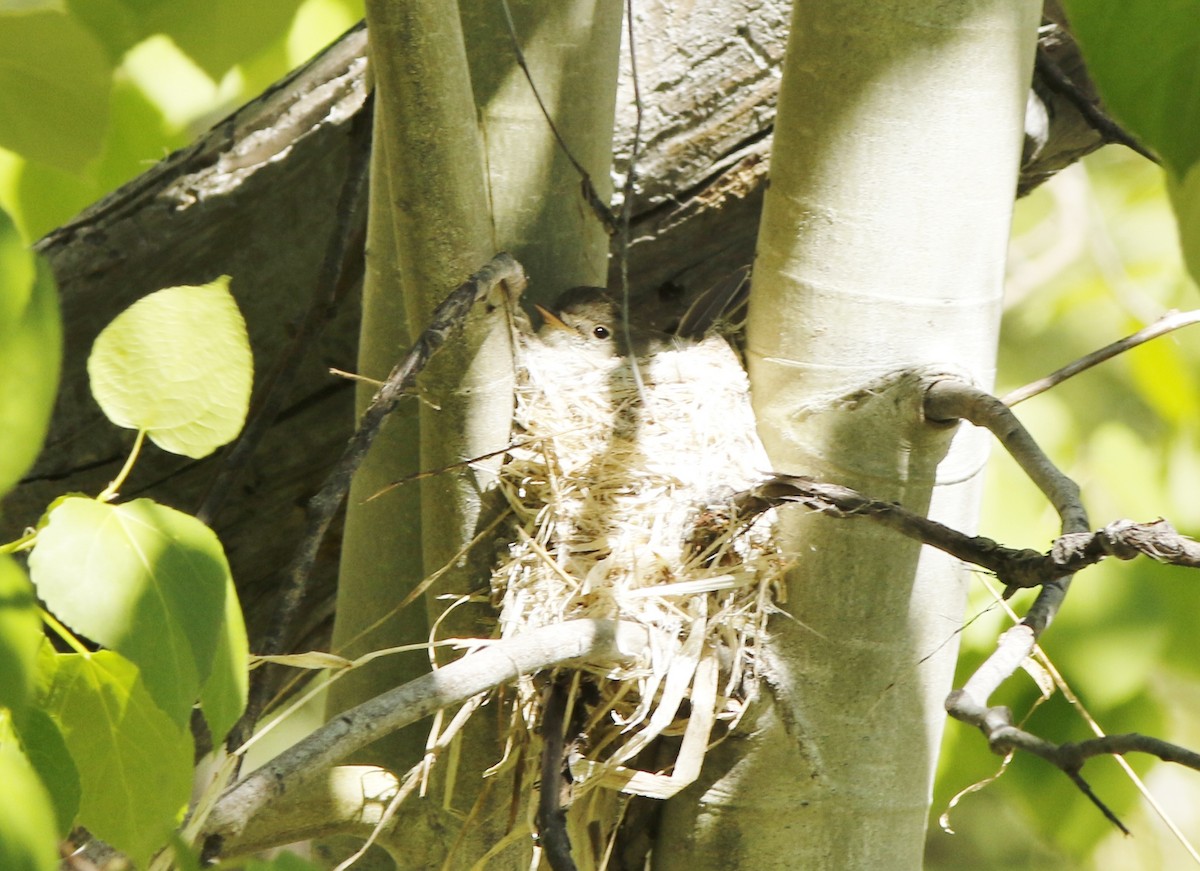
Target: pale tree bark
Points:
(465, 164)
(880, 259)
(427, 229)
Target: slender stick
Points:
(1169, 322)
(497, 663)
(447, 320)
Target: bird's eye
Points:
(601, 332)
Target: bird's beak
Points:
(551, 319)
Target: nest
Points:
(621, 484)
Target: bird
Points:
(590, 320)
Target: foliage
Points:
(1144, 56)
(156, 339)
(130, 81)
(101, 738)
(30, 348)
(1094, 257)
(28, 828)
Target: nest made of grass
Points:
(620, 486)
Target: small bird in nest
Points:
(589, 320)
(635, 440)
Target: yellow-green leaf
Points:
(20, 636)
(1185, 197)
(54, 83)
(28, 836)
(30, 352)
(177, 364)
(223, 696)
(143, 579)
(135, 765)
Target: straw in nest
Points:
(621, 492)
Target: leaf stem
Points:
(25, 542)
(110, 492)
(63, 632)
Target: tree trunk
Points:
(490, 176)
(880, 263)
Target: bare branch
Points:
(1070, 757)
(551, 815)
(1169, 322)
(1077, 548)
(952, 399)
(1017, 568)
(497, 663)
(447, 320)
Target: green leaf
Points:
(282, 862)
(177, 364)
(145, 580)
(30, 353)
(48, 753)
(112, 23)
(9, 6)
(223, 696)
(217, 34)
(28, 834)
(186, 857)
(1185, 198)
(1144, 56)
(135, 765)
(20, 636)
(54, 81)
(45, 746)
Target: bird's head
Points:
(588, 320)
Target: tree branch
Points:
(497, 663)
(447, 320)
(1169, 322)
(1016, 568)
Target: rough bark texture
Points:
(253, 198)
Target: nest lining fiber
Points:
(620, 484)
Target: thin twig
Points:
(447, 320)
(1068, 758)
(622, 252)
(952, 399)
(551, 815)
(1016, 568)
(1169, 322)
(495, 664)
